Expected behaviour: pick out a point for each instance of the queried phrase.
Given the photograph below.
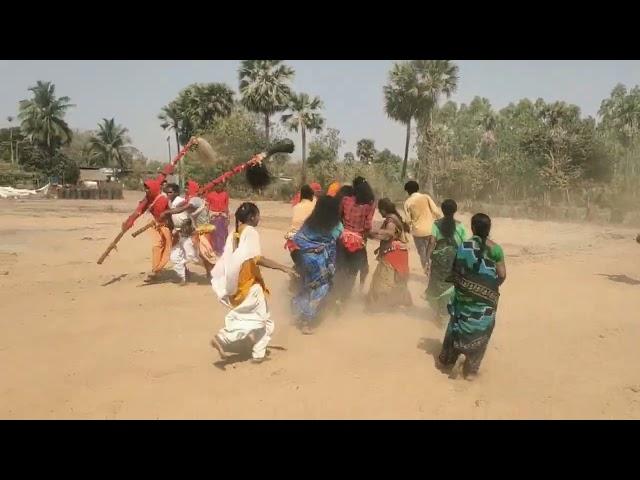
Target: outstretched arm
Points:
(268, 263)
(179, 209)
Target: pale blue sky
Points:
(133, 91)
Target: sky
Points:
(134, 91)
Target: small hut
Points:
(93, 183)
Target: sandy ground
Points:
(79, 340)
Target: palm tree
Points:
(170, 115)
(304, 117)
(264, 86)
(42, 116)
(435, 79)
(106, 146)
(402, 100)
(487, 123)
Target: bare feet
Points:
(470, 377)
(458, 366)
(152, 277)
(306, 330)
(216, 344)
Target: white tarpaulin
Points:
(10, 192)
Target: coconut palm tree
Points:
(107, 144)
(264, 87)
(303, 117)
(42, 117)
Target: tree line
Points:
(537, 150)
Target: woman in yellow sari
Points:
(239, 285)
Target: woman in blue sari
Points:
(316, 241)
(478, 271)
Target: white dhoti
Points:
(182, 253)
(252, 315)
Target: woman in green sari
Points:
(478, 272)
(447, 234)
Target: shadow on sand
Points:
(621, 279)
(243, 356)
(114, 280)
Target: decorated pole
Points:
(144, 203)
(257, 177)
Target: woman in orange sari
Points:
(161, 233)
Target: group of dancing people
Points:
(327, 243)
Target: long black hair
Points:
(481, 226)
(448, 223)
(386, 205)
(345, 191)
(244, 212)
(306, 192)
(362, 191)
(325, 215)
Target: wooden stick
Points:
(143, 229)
(111, 246)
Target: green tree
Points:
(349, 158)
(106, 146)
(204, 103)
(42, 119)
(366, 150)
(303, 117)
(264, 87)
(323, 155)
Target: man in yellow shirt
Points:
(302, 210)
(421, 212)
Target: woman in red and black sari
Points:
(356, 212)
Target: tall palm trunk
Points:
(406, 151)
(303, 178)
(266, 126)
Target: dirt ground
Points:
(79, 340)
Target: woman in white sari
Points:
(237, 281)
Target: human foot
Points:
(458, 366)
(216, 344)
